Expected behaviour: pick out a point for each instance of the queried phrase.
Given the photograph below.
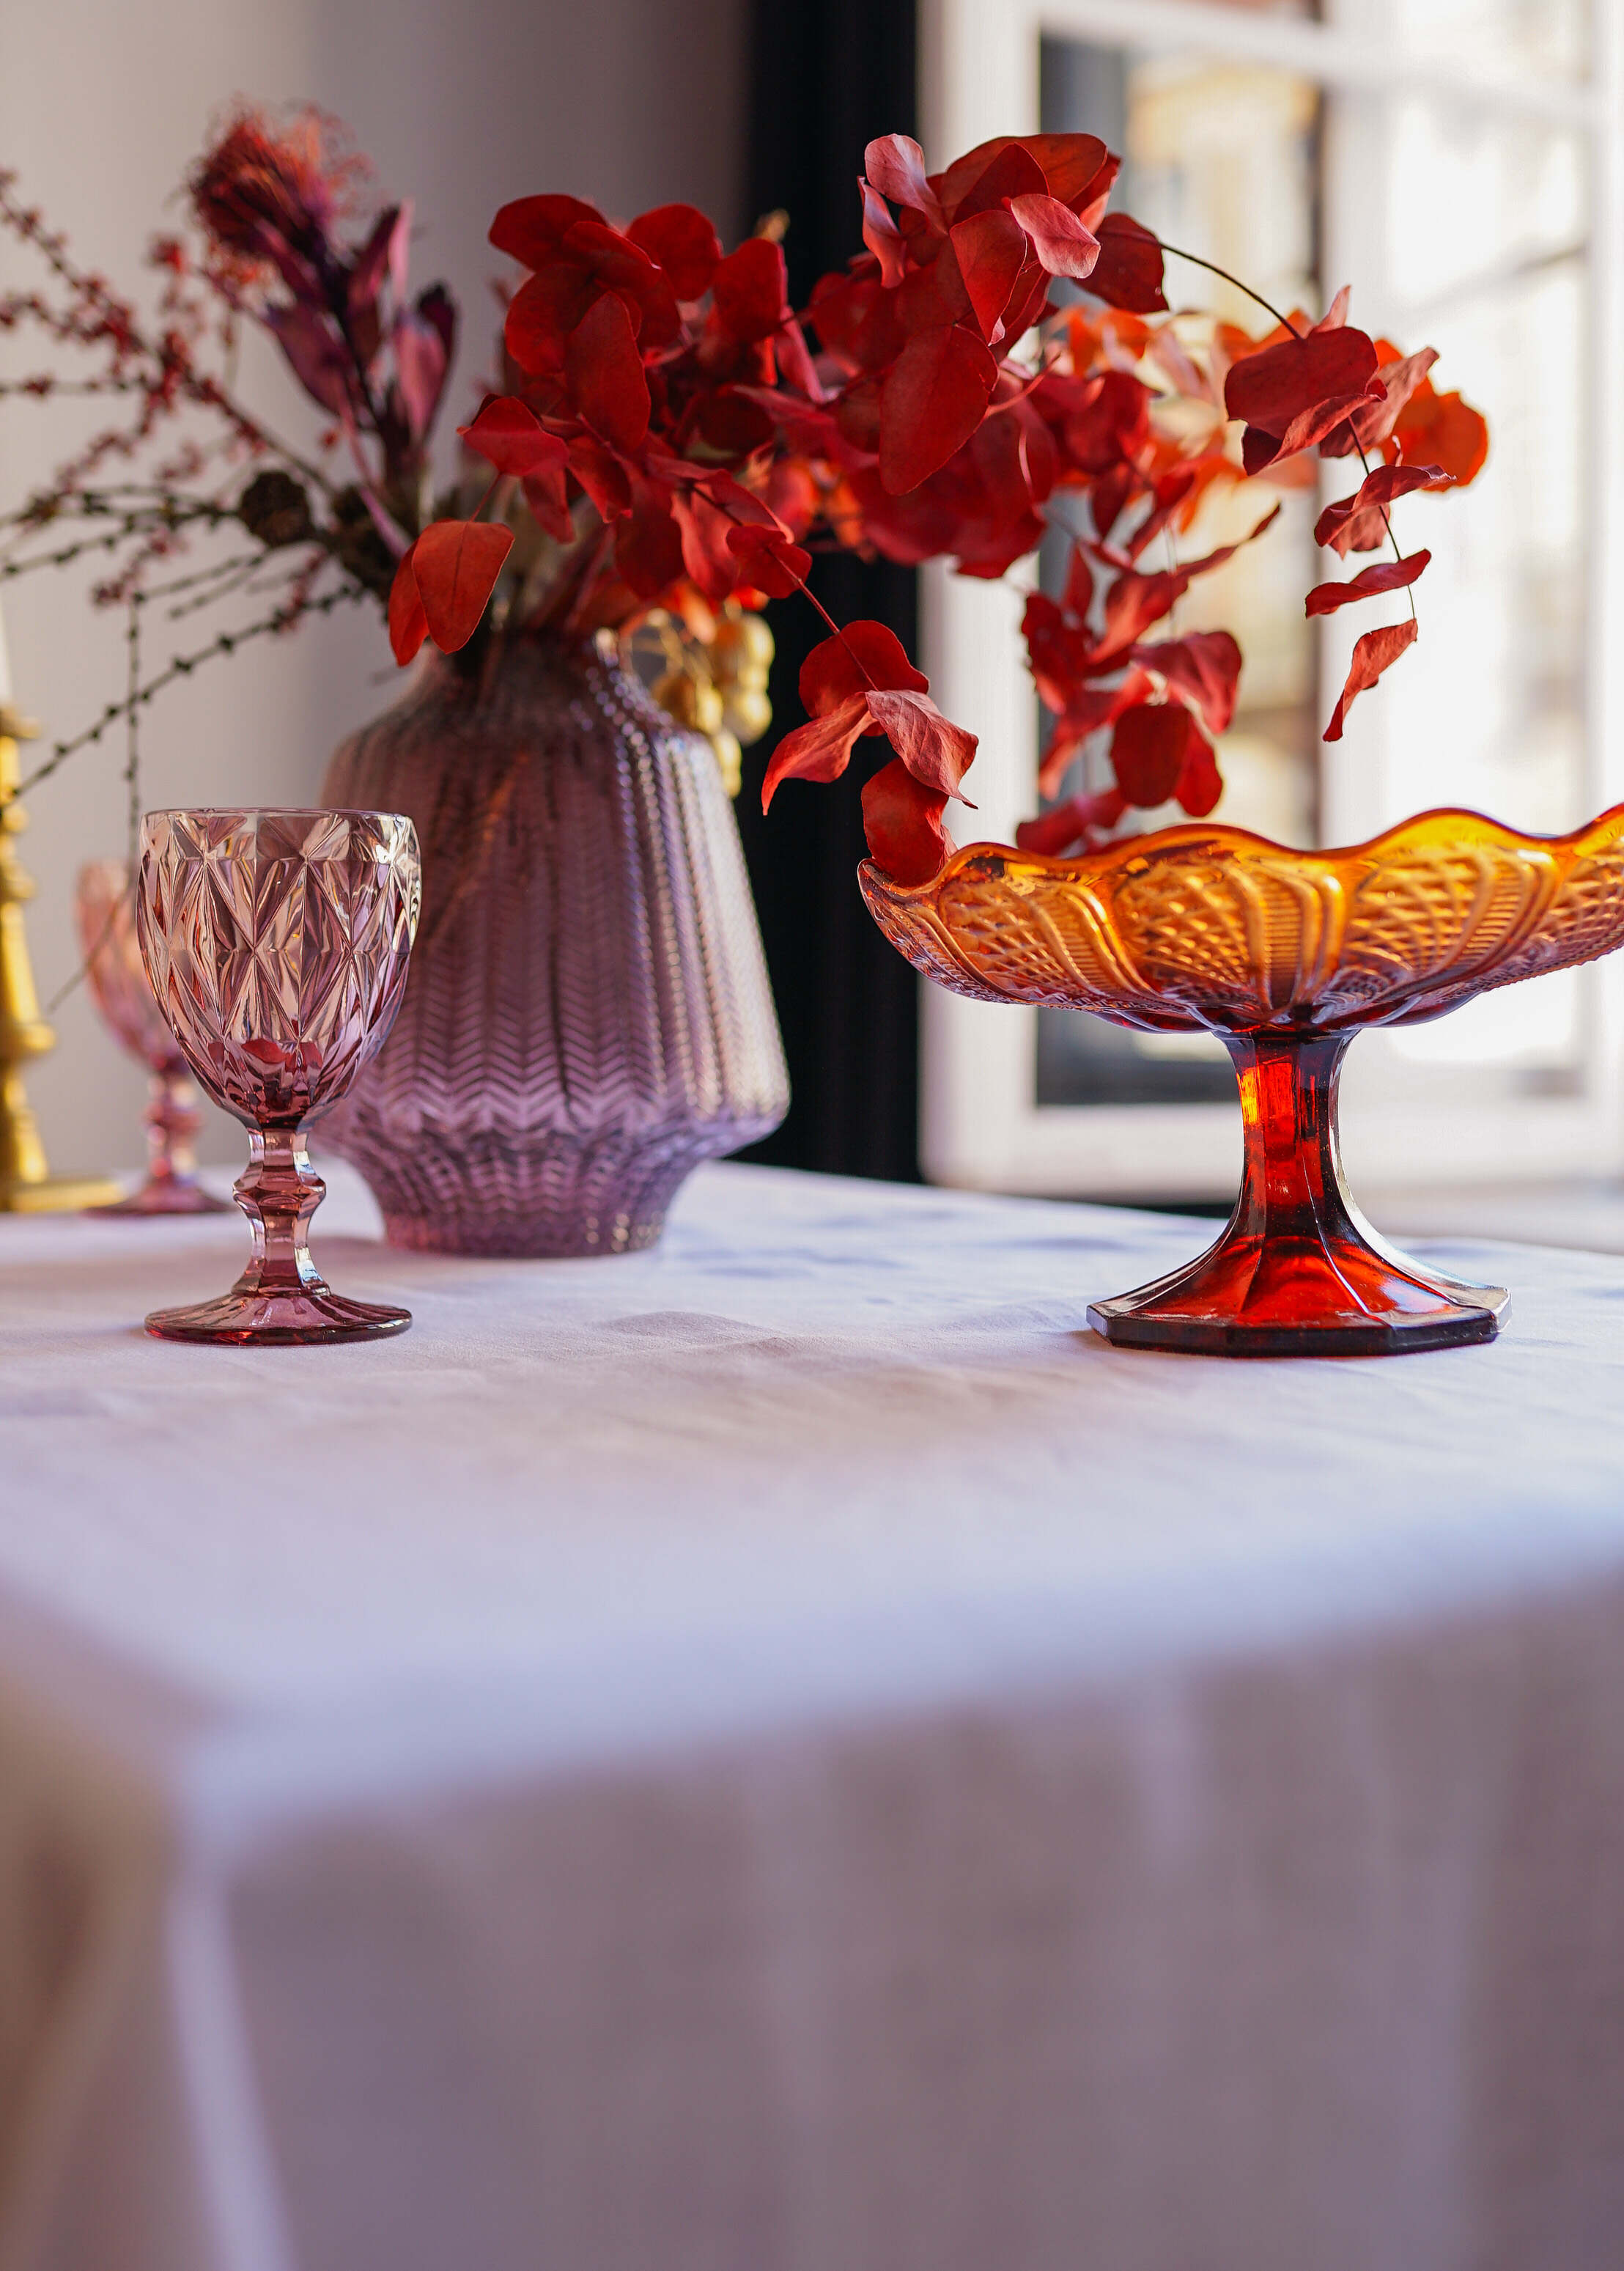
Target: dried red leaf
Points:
(1202, 669)
(508, 434)
(1387, 576)
(894, 164)
(649, 548)
(1200, 783)
(934, 749)
(547, 495)
(604, 374)
(863, 657)
(710, 562)
(748, 291)
(408, 623)
(882, 235)
(601, 474)
(1354, 523)
(902, 823)
(1072, 824)
(1014, 173)
(1149, 748)
(770, 560)
(1376, 652)
(1063, 246)
(1445, 430)
(683, 244)
(532, 229)
(935, 396)
(455, 564)
(991, 248)
(1089, 708)
(1371, 422)
(1133, 602)
(1128, 271)
(1071, 163)
(541, 314)
(820, 750)
(1276, 385)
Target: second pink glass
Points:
(104, 908)
(277, 944)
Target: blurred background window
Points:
(1454, 161)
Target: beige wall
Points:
(102, 104)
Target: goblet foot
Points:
(162, 1195)
(1297, 1271)
(281, 1299)
(282, 1320)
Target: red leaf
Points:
(1014, 173)
(1389, 576)
(1089, 708)
(1059, 238)
(895, 166)
(508, 433)
(1072, 823)
(649, 551)
(864, 656)
(408, 623)
(770, 560)
(1132, 604)
(991, 248)
(903, 822)
(601, 474)
(319, 362)
(935, 396)
(1376, 652)
(748, 291)
(543, 312)
(455, 564)
(1071, 163)
(1200, 783)
(1149, 749)
(882, 235)
(1128, 272)
(422, 338)
(685, 244)
(1202, 669)
(1270, 388)
(604, 374)
(934, 749)
(1354, 523)
(1373, 421)
(531, 229)
(547, 495)
(1445, 430)
(819, 750)
(705, 553)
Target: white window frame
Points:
(981, 1126)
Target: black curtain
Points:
(827, 76)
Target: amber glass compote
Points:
(277, 944)
(1284, 955)
(104, 909)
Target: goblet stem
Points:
(1298, 1270)
(281, 1296)
(171, 1187)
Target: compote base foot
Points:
(253, 1317)
(1297, 1271)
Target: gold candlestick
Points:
(27, 1184)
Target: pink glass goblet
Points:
(104, 908)
(277, 944)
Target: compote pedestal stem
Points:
(281, 1295)
(1298, 1270)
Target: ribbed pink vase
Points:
(588, 1013)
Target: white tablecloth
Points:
(788, 1753)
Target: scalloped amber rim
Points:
(1440, 823)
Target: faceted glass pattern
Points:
(1284, 954)
(277, 943)
(104, 907)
